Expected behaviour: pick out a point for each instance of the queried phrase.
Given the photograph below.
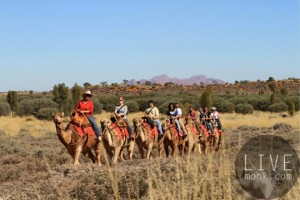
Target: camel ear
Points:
(62, 114)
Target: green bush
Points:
(46, 113)
(4, 109)
(263, 104)
(245, 108)
(278, 107)
(132, 106)
(224, 106)
(97, 107)
(32, 106)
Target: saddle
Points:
(153, 131)
(81, 123)
(121, 130)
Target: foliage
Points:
(76, 92)
(60, 93)
(245, 108)
(207, 97)
(224, 106)
(132, 106)
(45, 113)
(4, 109)
(278, 107)
(291, 109)
(32, 106)
(87, 85)
(12, 99)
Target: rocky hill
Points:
(162, 79)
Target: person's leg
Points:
(178, 126)
(210, 127)
(159, 126)
(182, 126)
(198, 128)
(219, 124)
(129, 128)
(94, 125)
(150, 122)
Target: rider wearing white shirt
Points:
(179, 113)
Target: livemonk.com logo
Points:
(267, 167)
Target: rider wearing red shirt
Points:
(86, 107)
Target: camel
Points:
(216, 138)
(115, 143)
(173, 140)
(76, 143)
(147, 138)
(194, 143)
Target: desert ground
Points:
(35, 165)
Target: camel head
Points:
(58, 118)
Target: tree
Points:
(87, 85)
(283, 91)
(104, 83)
(206, 97)
(291, 108)
(272, 86)
(76, 92)
(60, 93)
(271, 79)
(12, 99)
(125, 81)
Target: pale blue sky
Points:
(43, 43)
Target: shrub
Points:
(46, 113)
(278, 107)
(97, 107)
(4, 109)
(132, 106)
(263, 104)
(245, 108)
(225, 106)
(31, 107)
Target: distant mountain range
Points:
(162, 79)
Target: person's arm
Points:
(77, 108)
(89, 109)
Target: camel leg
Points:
(130, 150)
(174, 149)
(77, 154)
(90, 155)
(116, 154)
(141, 150)
(122, 154)
(167, 150)
(149, 150)
(98, 154)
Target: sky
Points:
(43, 43)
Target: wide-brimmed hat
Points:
(87, 93)
(213, 108)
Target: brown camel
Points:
(173, 140)
(76, 143)
(216, 139)
(194, 143)
(147, 138)
(115, 143)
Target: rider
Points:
(121, 112)
(215, 115)
(178, 116)
(208, 121)
(193, 115)
(86, 107)
(172, 113)
(152, 114)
